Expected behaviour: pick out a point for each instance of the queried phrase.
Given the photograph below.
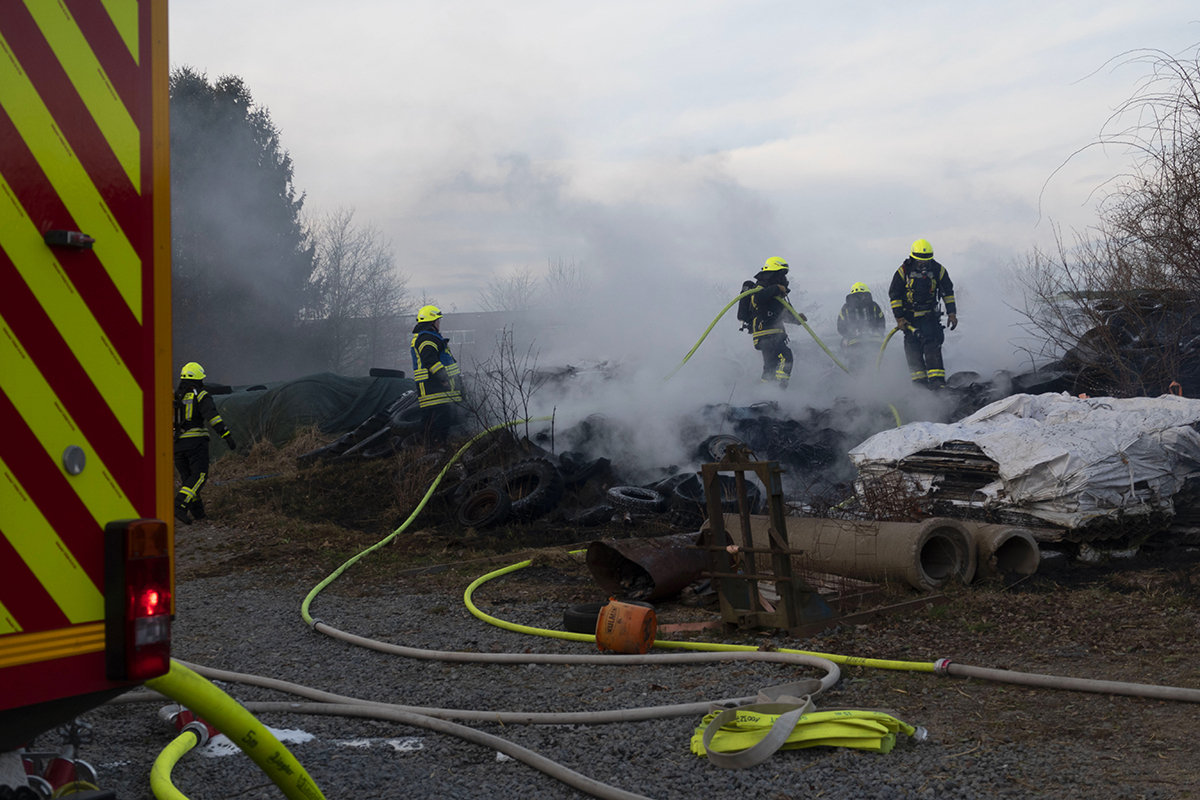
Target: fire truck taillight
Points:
(137, 599)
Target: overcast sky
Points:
(673, 146)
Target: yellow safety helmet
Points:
(429, 314)
(774, 264)
(922, 250)
(860, 287)
(191, 372)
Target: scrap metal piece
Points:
(646, 569)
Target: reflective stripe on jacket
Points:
(434, 369)
(861, 319)
(917, 286)
(193, 407)
(765, 305)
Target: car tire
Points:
(486, 508)
(535, 486)
(582, 618)
(637, 499)
(482, 479)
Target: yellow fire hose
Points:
(194, 692)
(667, 644)
(882, 347)
(800, 319)
(743, 737)
(312, 595)
(160, 773)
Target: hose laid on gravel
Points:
(945, 667)
(941, 667)
(539, 762)
(192, 691)
(730, 650)
(503, 717)
(160, 773)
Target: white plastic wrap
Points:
(1061, 458)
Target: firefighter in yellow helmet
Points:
(193, 407)
(918, 288)
(766, 318)
(861, 324)
(437, 374)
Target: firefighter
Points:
(916, 289)
(766, 322)
(436, 373)
(193, 407)
(860, 323)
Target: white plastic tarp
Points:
(1064, 459)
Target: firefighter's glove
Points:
(232, 444)
(953, 320)
(901, 323)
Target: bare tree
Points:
(360, 296)
(1118, 302)
(567, 285)
(504, 384)
(514, 292)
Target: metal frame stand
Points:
(733, 567)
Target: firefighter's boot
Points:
(181, 514)
(197, 509)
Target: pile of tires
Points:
(524, 492)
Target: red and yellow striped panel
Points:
(85, 341)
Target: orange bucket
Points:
(626, 627)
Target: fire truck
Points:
(86, 559)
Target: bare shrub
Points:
(504, 384)
(1118, 300)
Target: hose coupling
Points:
(169, 714)
(313, 625)
(181, 719)
(201, 729)
(941, 667)
(920, 734)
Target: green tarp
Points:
(334, 403)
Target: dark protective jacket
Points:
(917, 286)
(860, 318)
(434, 368)
(193, 407)
(769, 313)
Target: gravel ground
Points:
(249, 621)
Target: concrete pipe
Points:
(926, 554)
(1004, 551)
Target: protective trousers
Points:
(191, 460)
(923, 349)
(777, 358)
(438, 421)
